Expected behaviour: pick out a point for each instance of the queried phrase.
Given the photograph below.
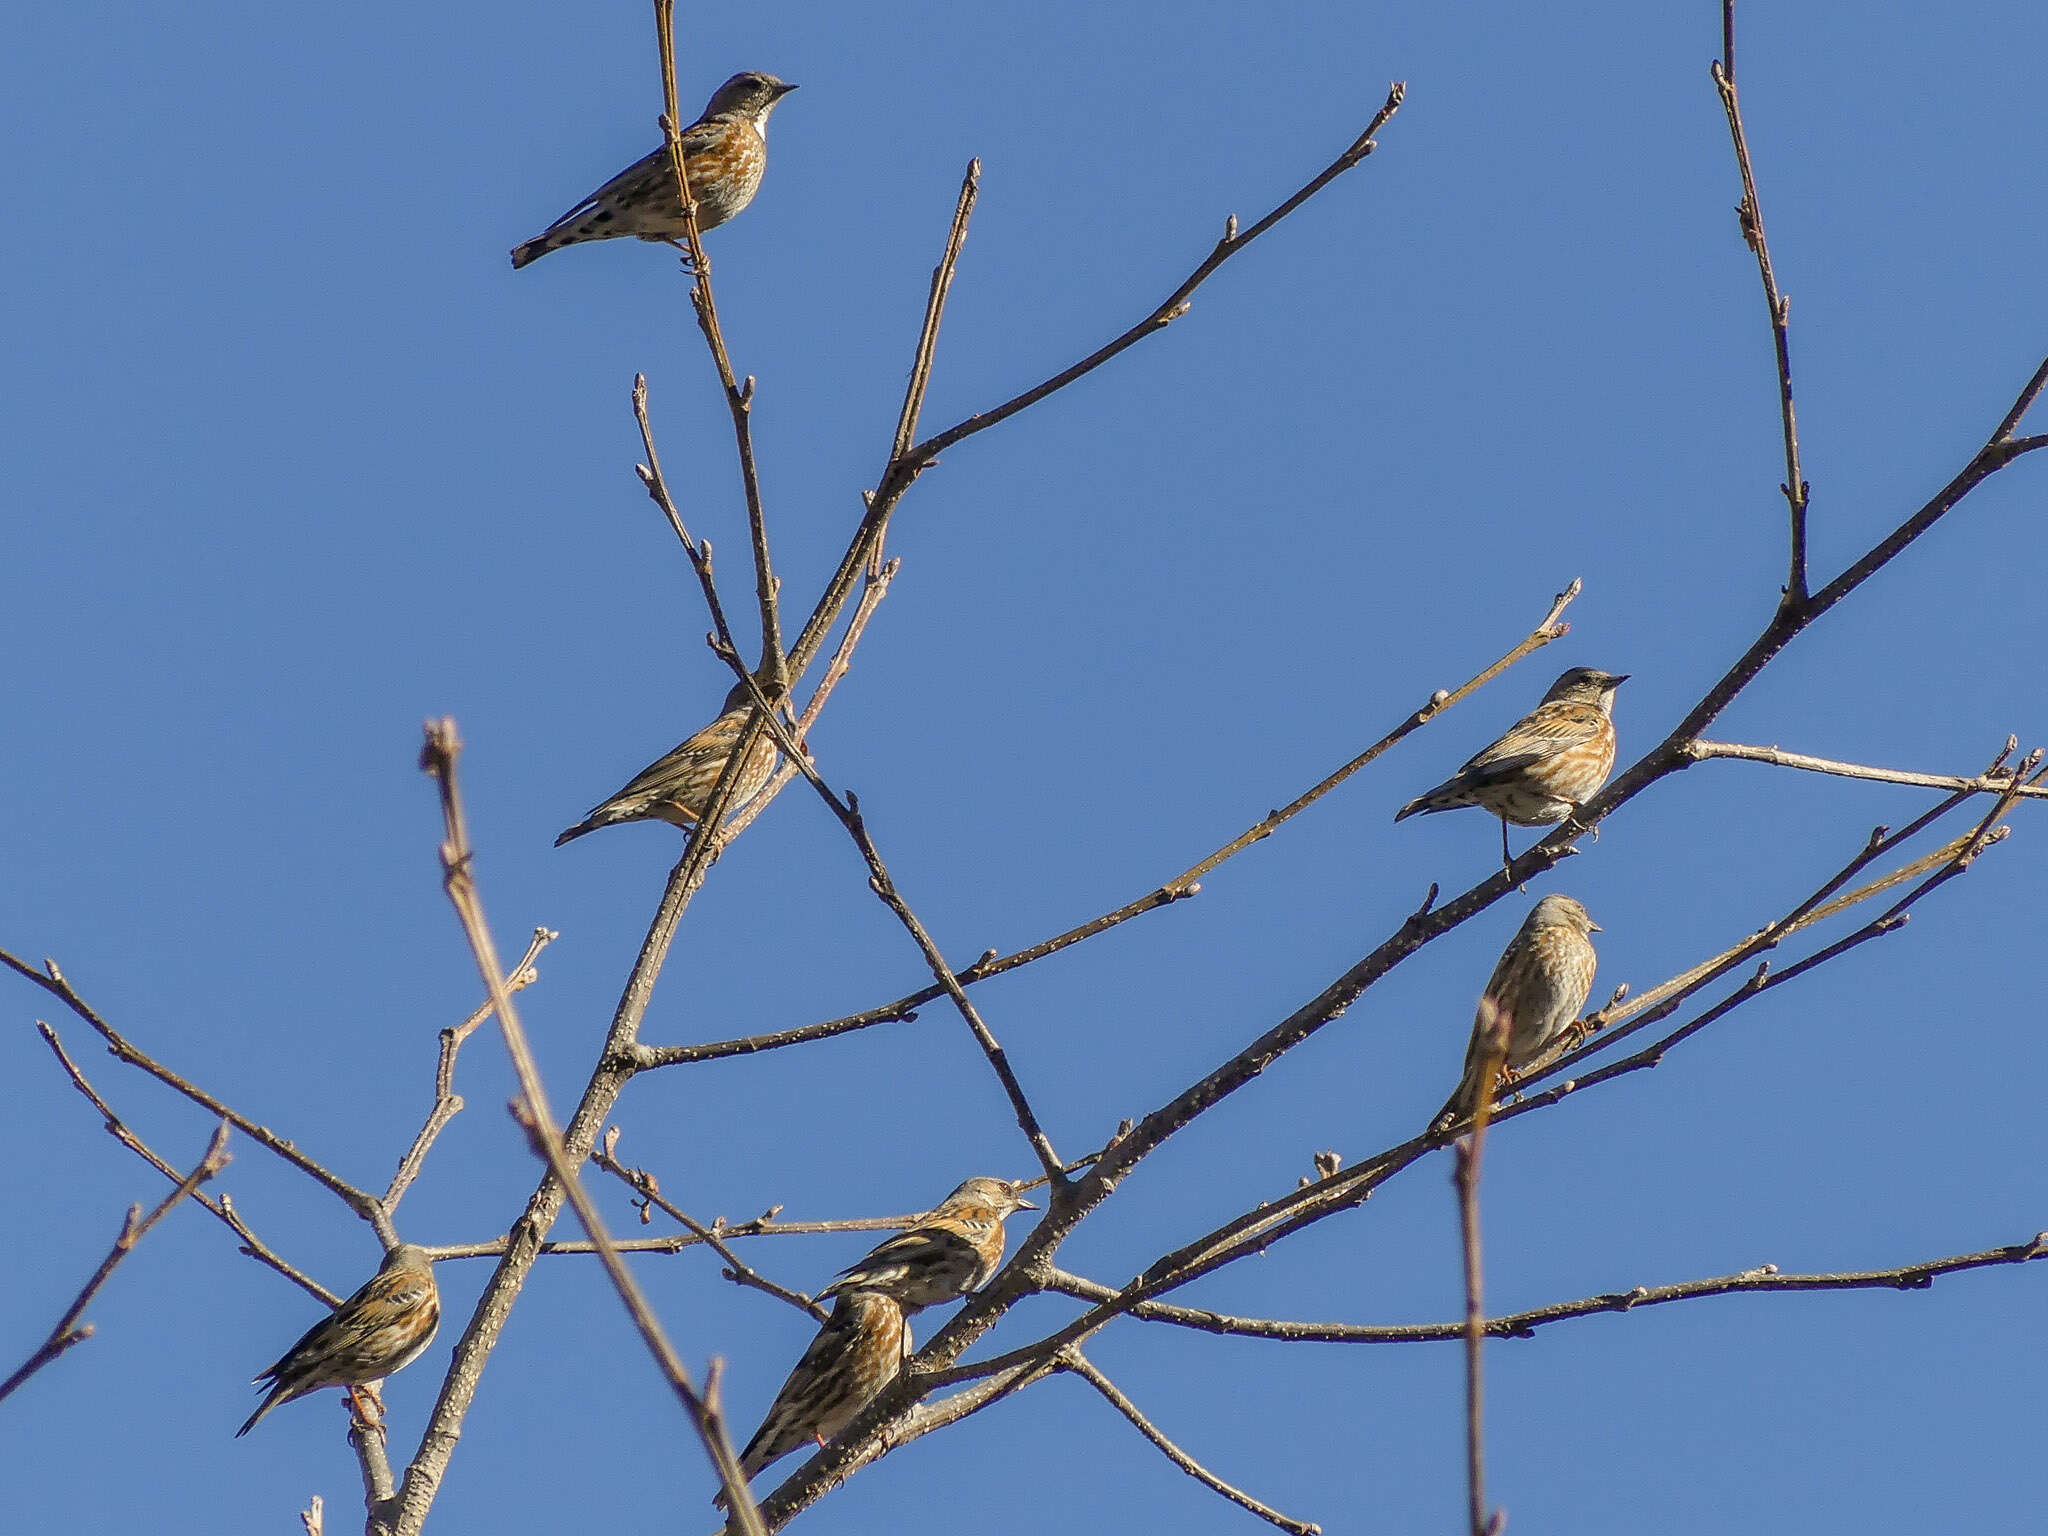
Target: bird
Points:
(1534, 994)
(676, 786)
(854, 1356)
(377, 1332)
(952, 1251)
(725, 153)
(1552, 760)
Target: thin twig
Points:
(1984, 784)
(905, 467)
(447, 1102)
(1523, 1325)
(848, 812)
(739, 398)
(1078, 1364)
(1183, 885)
(438, 758)
(53, 981)
(648, 1189)
(223, 1208)
(1751, 215)
(134, 1227)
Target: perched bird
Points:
(725, 153)
(377, 1332)
(854, 1356)
(1536, 991)
(952, 1251)
(1551, 762)
(676, 787)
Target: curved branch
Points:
(1078, 1364)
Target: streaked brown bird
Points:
(725, 153)
(1536, 991)
(677, 786)
(854, 1356)
(1553, 760)
(377, 1332)
(952, 1251)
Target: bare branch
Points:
(1986, 784)
(224, 1208)
(934, 312)
(438, 758)
(53, 981)
(879, 880)
(905, 467)
(1466, 1178)
(739, 398)
(1078, 1364)
(447, 1102)
(134, 1227)
(1187, 883)
(1522, 1325)
(1780, 307)
(648, 1189)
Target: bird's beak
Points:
(1025, 1205)
(1594, 927)
(1616, 682)
(783, 90)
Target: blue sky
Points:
(296, 460)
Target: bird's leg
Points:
(1507, 860)
(366, 1408)
(689, 261)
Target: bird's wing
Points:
(632, 175)
(919, 1248)
(1547, 730)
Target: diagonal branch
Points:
(447, 1102)
(1751, 214)
(1078, 1364)
(438, 758)
(905, 466)
(1187, 883)
(134, 1227)
(648, 1190)
(881, 883)
(53, 981)
(223, 1208)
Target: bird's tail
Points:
(588, 824)
(531, 251)
(270, 1400)
(1447, 796)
